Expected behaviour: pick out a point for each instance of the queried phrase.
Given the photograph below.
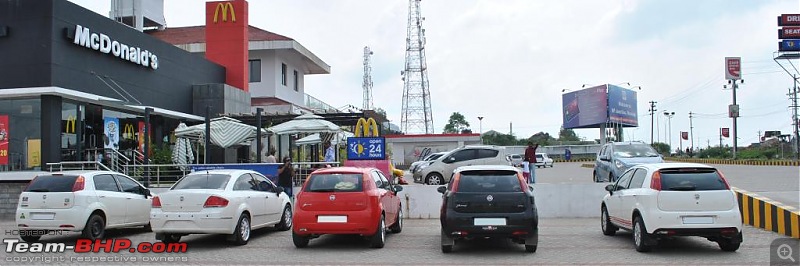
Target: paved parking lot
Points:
(562, 241)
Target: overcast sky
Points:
(509, 61)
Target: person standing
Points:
(271, 157)
(329, 152)
(285, 175)
(530, 157)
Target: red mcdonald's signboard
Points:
(684, 135)
(725, 132)
(4, 129)
(227, 39)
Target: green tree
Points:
(541, 138)
(456, 124)
(500, 140)
(661, 148)
(567, 134)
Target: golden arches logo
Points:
(70, 127)
(224, 7)
(129, 132)
(366, 125)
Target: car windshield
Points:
(516, 156)
(434, 156)
(203, 181)
(335, 183)
(489, 181)
(52, 183)
(691, 180)
(635, 150)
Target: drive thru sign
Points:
(733, 68)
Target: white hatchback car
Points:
(673, 199)
(230, 202)
(542, 160)
(83, 201)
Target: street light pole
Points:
(480, 127)
(669, 116)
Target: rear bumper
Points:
(726, 232)
(674, 221)
(208, 221)
(518, 225)
(358, 222)
(72, 219)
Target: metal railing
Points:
(76, 165)
(165, 175)
(303, 169)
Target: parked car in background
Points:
(515, 159)
(230, 202)
(416, 165)
(83, 201)
(657, 201)
(616, 157)
(542, 160)
(488, 201)
(440, 171)
(347, 200)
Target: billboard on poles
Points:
(585, 108)
(622, 108)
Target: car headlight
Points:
(619, 164)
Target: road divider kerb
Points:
(737, 162)
(767, 214)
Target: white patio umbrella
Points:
(307, 123)
(182, 153)
(225, 132)
(340, 137)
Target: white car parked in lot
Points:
(83, 201)
(673, 199)
(230, 202)
(542, 160)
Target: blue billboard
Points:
(366, 148)
(585, 108)
(622, 107)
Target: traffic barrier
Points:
(737, 162)
(574, 160)
(767, 214)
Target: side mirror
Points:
(397, 189)
(610, 188)
(146, 192)
(442, 189)
(451, 159)
(278, 190)
(530, 187)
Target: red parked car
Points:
(347, 200)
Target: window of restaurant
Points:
(20, 134)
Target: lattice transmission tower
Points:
(416, 112)
(366, 84)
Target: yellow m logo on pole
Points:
(129, 132)
(224, 8)
(70, 127)
(366, 125)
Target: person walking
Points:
(530, 157)
(285, 175)
(329, 152)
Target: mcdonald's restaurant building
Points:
(68, 74)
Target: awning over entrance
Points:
(225, 132)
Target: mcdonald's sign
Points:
(129, 132)
(366, 125)
(224, 7)
(70, 127)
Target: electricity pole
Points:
(652, 117)
(691, 132)
(795, 120)
(733, 112)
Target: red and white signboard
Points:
(4, 129)
(733, 68)
(685, 135)
(789, 20)
(726, 132)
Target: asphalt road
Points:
(561, 241)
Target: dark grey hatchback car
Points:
(488, 201)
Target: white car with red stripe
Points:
(665, 200)
(230, 202)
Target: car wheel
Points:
(595, 178)
(29, 236)
(378, 240)
(611, 178)
(447, 248)
(640, 236)
(95, 228)
(531, 248)
(447, 242)
(397, 227)
(434, 179)
(300, 241)
(148, 228)
(171, 238)
(727, 244)
(609, 229)
(242, 233)
(286, 219)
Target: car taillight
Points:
(79, 183)
(725, 181)
(156, 202)
(655, 181)
(215, 202)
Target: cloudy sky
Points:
(509, 61)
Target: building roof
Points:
(193, 39)
(197, 34)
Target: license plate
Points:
(43, 216)
(331, 219)
(489, 221)
(698, 220)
